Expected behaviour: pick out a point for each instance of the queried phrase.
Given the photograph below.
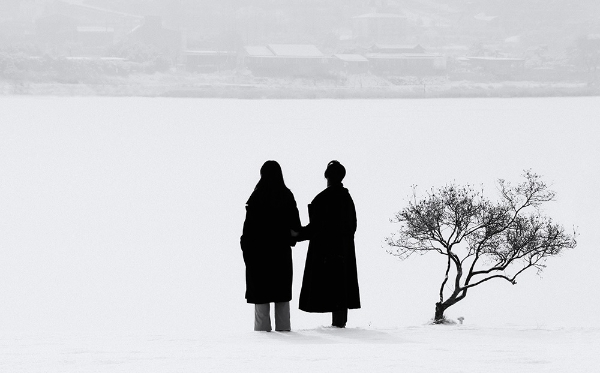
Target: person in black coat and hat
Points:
(271, 215)
(330, 282)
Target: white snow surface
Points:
(320, 349)
(120, 221)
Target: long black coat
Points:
(330, 280)
(266, 245)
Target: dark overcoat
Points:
(330, 280)
(266, 245)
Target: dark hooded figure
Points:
(271, 215)
(330, 282)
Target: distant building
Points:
(152, 33)
(59, 34)
(399, 59)
(293, 59)
(74, 28)
(95, 36)
(352, 63)
(209, 60)
(397, 48)
(497, 64)
(93, 16)
(375, 28)
(406, 63)
(286, 59)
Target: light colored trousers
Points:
(262, 317)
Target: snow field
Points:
(321, 349)
(120, 221)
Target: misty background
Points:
(120, 216)
(125, 214)
(334, 43)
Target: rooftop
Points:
(496, 59)
(208, 53)
(95, 29)
(402, 55)
(380, 15)
(258, 51)
(351, 57)
(397, 46)
(295, 50)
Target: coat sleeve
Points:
(306, 232)
(294, 220)
(246, 238)
(351, 213)
(316, 220)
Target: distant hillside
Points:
(540, 20)
(434, 23)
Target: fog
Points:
(124, 214)
(353, 48)
(132, 132)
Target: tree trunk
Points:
(439, 313)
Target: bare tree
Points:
(482, 240)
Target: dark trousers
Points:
(339, 318)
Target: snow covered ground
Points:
(120, 221)
(410, 349)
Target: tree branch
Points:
(501, 240)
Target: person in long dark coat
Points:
(330, 282)
(271, 216)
